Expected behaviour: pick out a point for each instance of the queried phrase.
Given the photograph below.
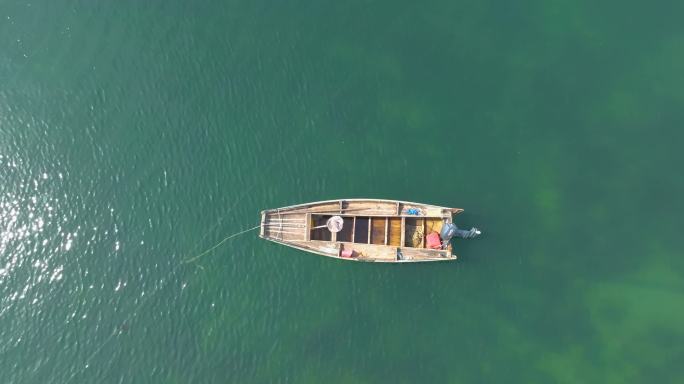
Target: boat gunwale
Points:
(362, 260)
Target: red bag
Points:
(433, 241)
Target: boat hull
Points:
(374, 230)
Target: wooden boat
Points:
(371, 229)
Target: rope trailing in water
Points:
(244, 193)
(190, 260)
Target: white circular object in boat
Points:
(335, 224)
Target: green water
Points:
(135, 134)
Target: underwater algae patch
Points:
(637, 334)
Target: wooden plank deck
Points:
(378, 230)
(394, 231)
(285, 228)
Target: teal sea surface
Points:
(137, 134)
